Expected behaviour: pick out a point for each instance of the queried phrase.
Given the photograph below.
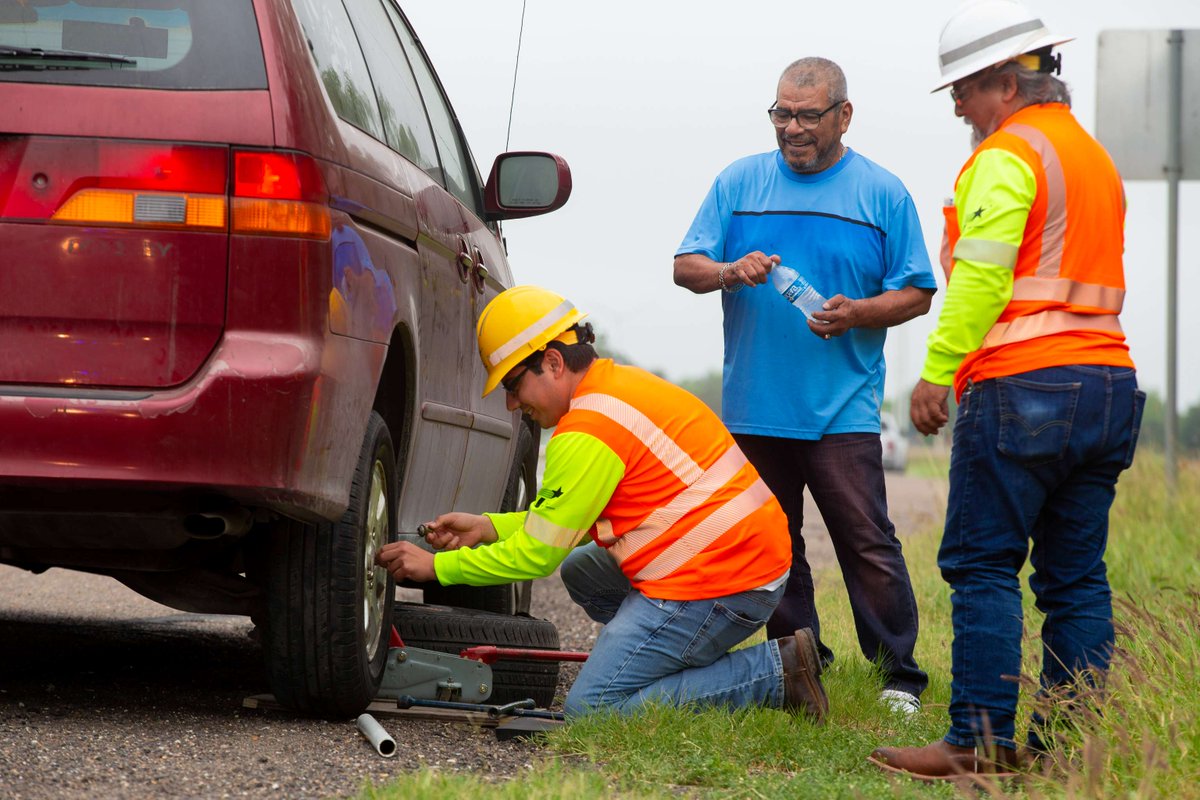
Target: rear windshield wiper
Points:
(35, 58)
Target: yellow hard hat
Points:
(519, 322)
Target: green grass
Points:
(1145, 744)
(927, 461)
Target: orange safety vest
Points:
(1069, 279)
(690, 519)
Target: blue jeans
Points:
(1035, 459)
(844, 473)
(672, 651)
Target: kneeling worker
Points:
(689, 552)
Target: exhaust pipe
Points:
(383, 743)
(213, 524)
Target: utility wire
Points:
(512, 100)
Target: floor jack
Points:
(415, 677)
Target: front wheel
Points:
(329, 608)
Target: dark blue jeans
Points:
(672, 651)
(844, 474)
(1035, 460)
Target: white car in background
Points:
(895, 446)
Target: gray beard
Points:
(810, 166)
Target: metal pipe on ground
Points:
(380, 739)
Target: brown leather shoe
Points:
(943, 761)
(802, 689)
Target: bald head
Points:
(816, 72)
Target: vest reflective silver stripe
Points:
(1047, 322)
(645, 431)
(685, 548)
(660, 520)
(550, 534)
(999, 253)
(604, 533)
(526, 336)
(1055, 230)
(959, 53)
(1065, 290)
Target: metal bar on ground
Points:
(489, 654)
(408, 701)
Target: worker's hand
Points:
(406, 560)
(928, 408)
(840, 314)
(456, 529)
(751, 269)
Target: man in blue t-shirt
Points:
(802, 398)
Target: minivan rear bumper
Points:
(261, 424)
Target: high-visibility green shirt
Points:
(580, 476)
(992, 199)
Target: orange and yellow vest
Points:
(650, 473)
(1068, 283)
(691, 518)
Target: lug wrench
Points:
(520, 708)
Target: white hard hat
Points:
(982, 33)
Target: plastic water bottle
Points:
(796, 289)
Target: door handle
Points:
(480, 273)
(466, 264)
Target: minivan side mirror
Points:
(525, 184)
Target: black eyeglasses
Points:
(781, 117)
(959, 94)
(961, 89)
(510, 384)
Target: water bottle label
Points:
(795, 290)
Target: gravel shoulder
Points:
(106, 694)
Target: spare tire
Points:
(451, 630)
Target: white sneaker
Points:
(900, 702)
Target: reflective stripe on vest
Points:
(1054, 232)
(604, 533)
(1045, 323)
(701, 485)
(707, 532)
(1062, 290)
(639, 425)
(716, 476)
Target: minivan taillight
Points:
(114, 183)
(153, 185)
(280, 194)
(149, 209)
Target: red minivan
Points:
(242, 248)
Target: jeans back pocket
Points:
(1139, 405)
(1035, 419)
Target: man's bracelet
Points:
(737, 287)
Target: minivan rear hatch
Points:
(116, 159)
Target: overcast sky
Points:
(648, 101)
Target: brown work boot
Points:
(944, 761)
(802, 689)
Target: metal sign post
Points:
(1149, 121)
(1174, 175)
